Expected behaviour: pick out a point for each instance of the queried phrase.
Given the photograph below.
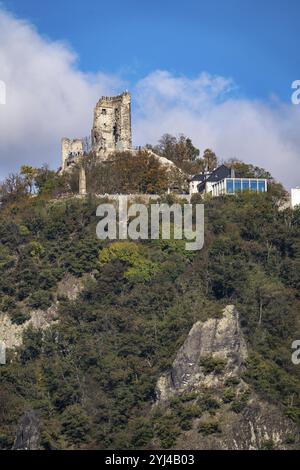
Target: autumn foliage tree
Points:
(181, 151)
(128, 173)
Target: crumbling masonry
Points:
(112, 125)
(70, 150)
(111, 130)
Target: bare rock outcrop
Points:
(11, 334)
(28, 432)
(220, 339)
(209, 367)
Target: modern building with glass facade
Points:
(222, 181)
(237, 185)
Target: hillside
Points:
(102, 323)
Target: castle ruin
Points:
(111, 131)
(70, 150)
(112, 125)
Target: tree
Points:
(29, 173)
(75, 424)
(245, 170)
(127, 173)
(12, 189)
(167, 147)
(181, 151)
(210, 160)
(48, 182)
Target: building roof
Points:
(219, 174)
(199, 178)
(216, 175)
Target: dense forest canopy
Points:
(92, 375)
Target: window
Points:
(253, 185)
(245, 185)
(103, 111)
(229, 186)
(238, 185)
(262, 186)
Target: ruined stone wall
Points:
(111, 131)
(112, 125)
(82, 181)
(69, 148)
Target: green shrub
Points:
(142, 431)
(231, 381)
(40, 300)
(240, 402)
(6, 260)
(212, 364)
(140, 269)
(167, 430)
(290, 439)
(75, 424)
(208, 403)
(23, 231)
(269, 444)
(36, 249)
(189, 396)
(7, 303)
(293, 413)
(209, 427)
(18, 317)
(187, 414)
(228, 395)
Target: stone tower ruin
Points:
(111, 132)
(70, 151)
(112, 125)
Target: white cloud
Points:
(207, 110)
(48, 97)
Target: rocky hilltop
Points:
(208, 369)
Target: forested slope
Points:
(91, 376)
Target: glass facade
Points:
(238, 185)
(245, 185)
(261, 186)
(229, 186)
(233, 185)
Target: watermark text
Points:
(296, 353)
(2, 92)
(139, 221)
(296, 95)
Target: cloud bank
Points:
(48, 97)
(265, 134)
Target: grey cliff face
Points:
(28, 433)
(212, 356)
(217, 338)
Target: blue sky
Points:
(256, 42)
(219, 71)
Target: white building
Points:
(237, 185)
(222, 181)
(195, 181)
(295, 197)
